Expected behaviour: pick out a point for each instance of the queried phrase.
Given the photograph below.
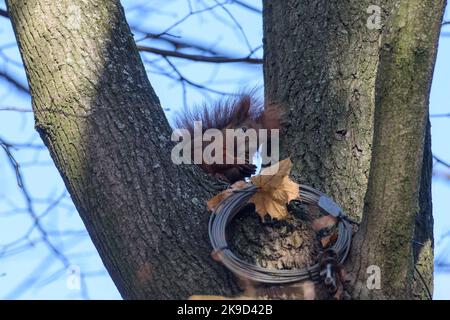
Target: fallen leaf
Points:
(264, 204)
(275, 190)
(272, 177)
(217, 199)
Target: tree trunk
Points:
(338, 82)
(105, 129)
(356, 104)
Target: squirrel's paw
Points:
(247, 169)
(239, 172)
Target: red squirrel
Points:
(242, 111)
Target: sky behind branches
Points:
(40, 263)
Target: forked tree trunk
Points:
(338, 82)
(356, 104)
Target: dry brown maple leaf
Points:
(275, 190)
(217, 199)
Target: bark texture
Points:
(399, 164)
(338, 82)
(321, 66)
(356, 103)
(104, 127)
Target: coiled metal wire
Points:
(231, 206)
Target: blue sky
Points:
(35, 273)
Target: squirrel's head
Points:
(248, 112)
(244, 114)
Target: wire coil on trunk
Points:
(231, 206)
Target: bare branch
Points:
(12, 108)
(247, 6)
(7, 148)
(30, 208)
(236, 23)
(187, 16)
(195, 57)
(16, 145)
(183, 79)
(443, 267)
(438, 160)
(14, 82)
(443, 115)
(4, 13)
(174, 41)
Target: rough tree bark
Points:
(338, 82)
(357, 103)
(104, 127)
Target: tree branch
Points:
(443, 115)
(14, 82)
(175, 42)
(194, 57)
(9, 108)
(4, 13)
(439, 160)
(247, 6)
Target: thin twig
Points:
(438, 160)
(7, 148)
(182, 78)
(187, 16)
(247, 6)
(237, 24)
(11, 108)
(174, 41)
(443, 115)
(14, 82)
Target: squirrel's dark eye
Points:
(244, 129)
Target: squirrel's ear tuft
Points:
(271, 117)
(242, 109)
